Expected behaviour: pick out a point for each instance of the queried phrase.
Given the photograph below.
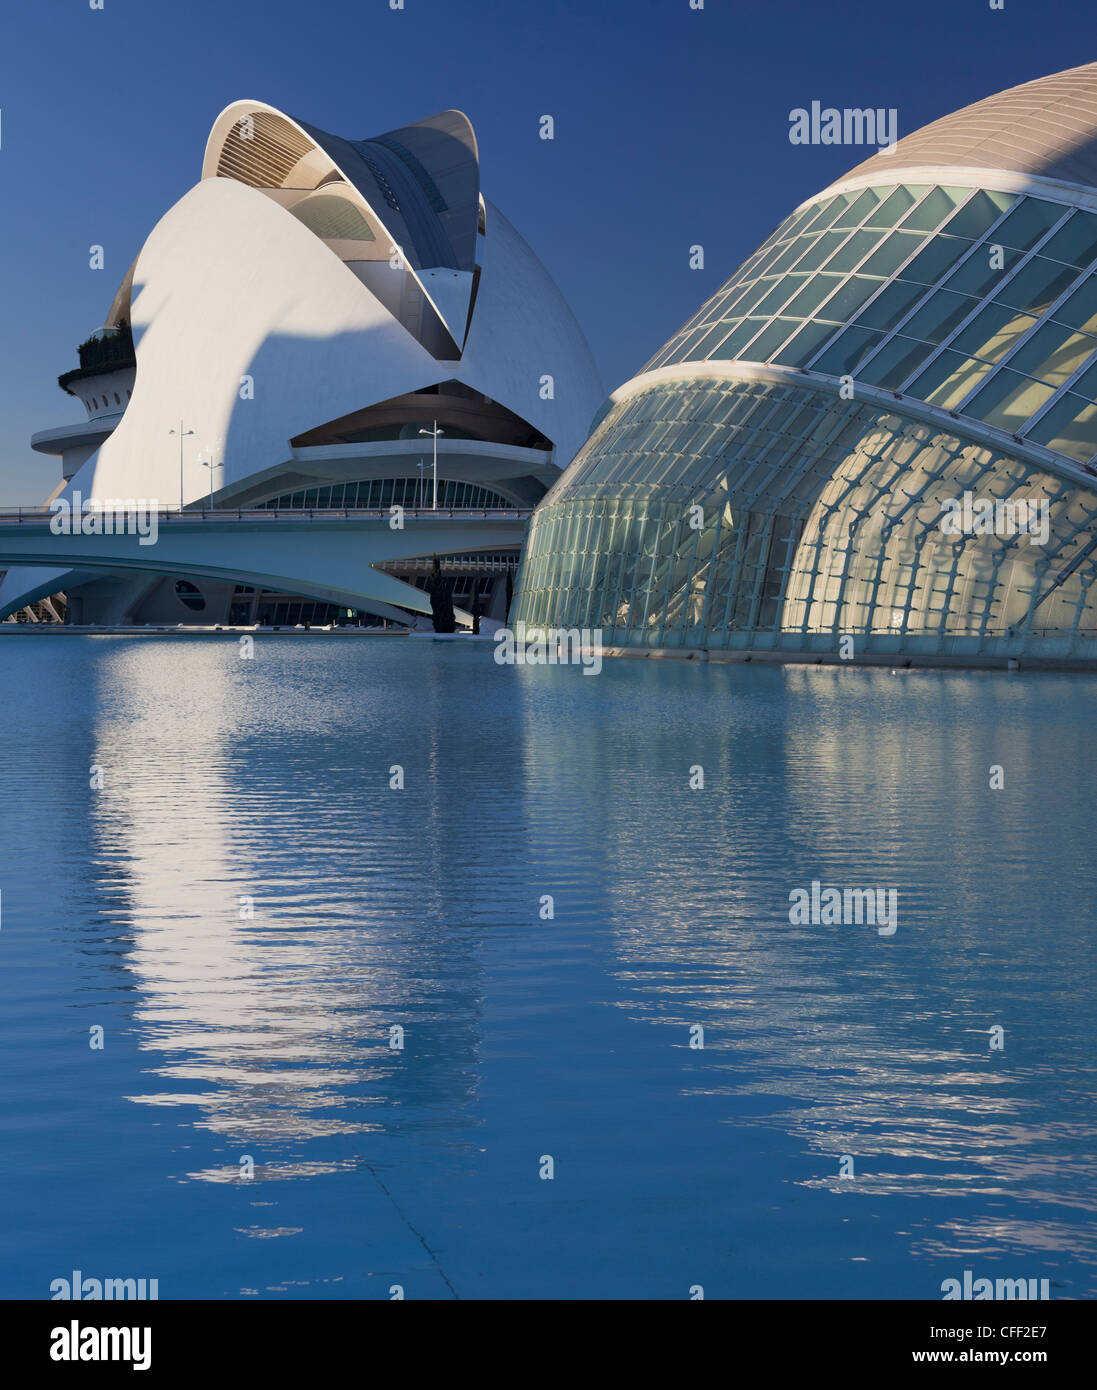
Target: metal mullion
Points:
(1008, 279)
(1090, 274)
(703, 624)
(895, 273)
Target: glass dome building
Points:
(882, 427)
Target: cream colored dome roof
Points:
(1047, 128)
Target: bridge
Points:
(329, 555)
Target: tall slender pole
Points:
(182, 434)
(436, 465)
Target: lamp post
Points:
(182, 433)
(211, 465)
(435, 432)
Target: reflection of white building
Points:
(310, 309)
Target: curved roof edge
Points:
(960, 425)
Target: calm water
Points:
(269, 1036)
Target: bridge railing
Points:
(281, 514)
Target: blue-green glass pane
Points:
(1027, 223)
(855, 250)
(812, 295)
(1075, 242)
(820, 250)
(843, 357)
(934, 208)
(894, 206)
(785, 288)
(769, 340)
(993, 332)
(948, 379)
(890, 306)
(1053, 354)
(792, 253)
(936, 319)
(1037, 285)
(979, 213)
(890, 254)
(737, 339)
(894, 363)
(845, 303)
(986, 267)
(1008, 400)
(1080, 310)
(713, 339)
(858, 210)
(804, 345)
(938, 257)
(1069, 427)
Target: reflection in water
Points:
(281, 925)
(267, 1032)
(855, 1044)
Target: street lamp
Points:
(182, 433)
(211, 466)
(435, 432)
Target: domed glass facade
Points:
(899, 355)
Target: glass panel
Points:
(858, 210)
(792, 253)
(1027, 223)
(1080, 310)
(1053, 354)
(939, 256)
(981, 211)
(978, 276)
(1008, 400)
(835, 210)
(890, 255)
(936, 319)
(731, 345)
(713, 339)
(894, 206)
(820, 249)
(1086, 385)
(891, 367)
(855, 249)
(1070, 427)
(948, 379)
(1075, 242)
(934, 208)
(814, 216)
(993, 332)
(769, 339)
(849, 298)
(812, 295)
(752, 296)
(890, 305)
(809, 339)
(845, 356)
(1036, 285)
(783, 290)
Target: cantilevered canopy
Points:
(421, 182)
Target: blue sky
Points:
(671, 129)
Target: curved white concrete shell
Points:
(303, 316)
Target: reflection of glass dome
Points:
(924, 327)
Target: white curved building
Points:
(306, 317)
